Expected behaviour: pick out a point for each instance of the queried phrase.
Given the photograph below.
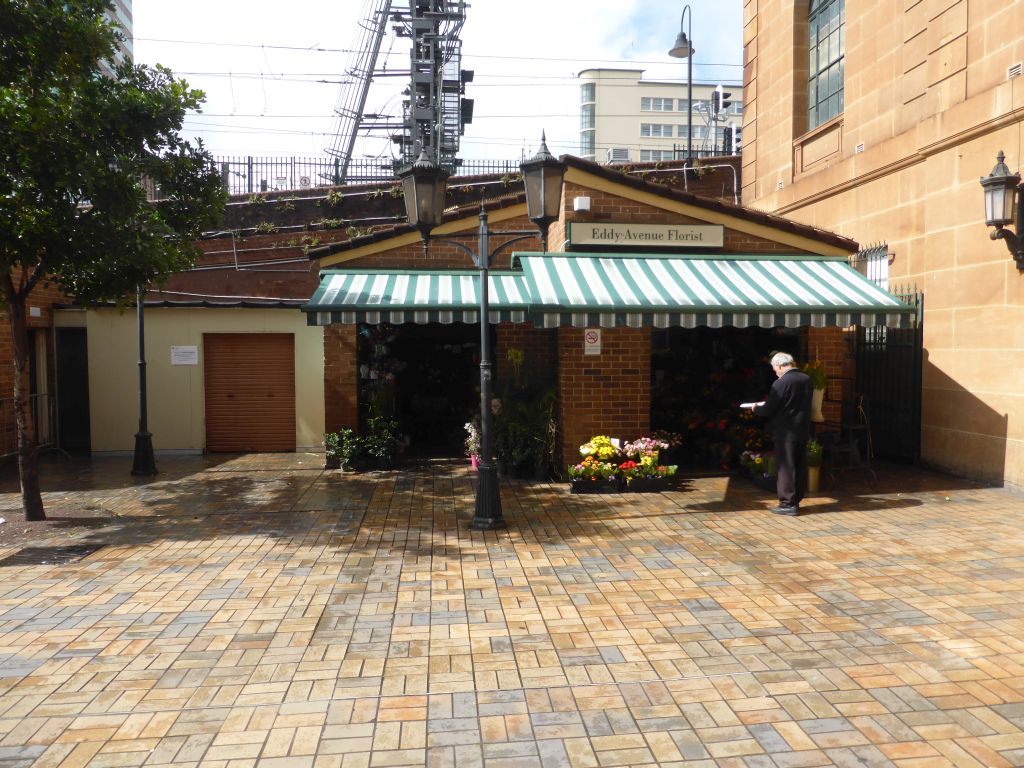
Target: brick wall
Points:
(608, 207)
(830, 346)
(43, 296)
(606, 394)
(341, 382)
(540, 354)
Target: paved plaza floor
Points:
(258, 611)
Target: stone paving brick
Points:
(251, 610)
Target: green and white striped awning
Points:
(597, 290)
(393, 296)
(592, 290)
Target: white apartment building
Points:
(624, 118)
(121, 14)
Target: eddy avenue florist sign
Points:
(647, 235)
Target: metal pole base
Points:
(144, 463)
(487, 516)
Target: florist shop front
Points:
(658, 312)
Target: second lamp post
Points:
(423, 184)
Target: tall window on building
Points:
(588, 92)
(586, 117)
(826, 43)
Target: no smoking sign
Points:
(592, 341)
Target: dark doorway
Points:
(73, 389)
(427, 377)
(699, 376)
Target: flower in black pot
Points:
(382, 439)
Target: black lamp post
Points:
(1002, 207)
(683, 49)
(144, 462)
(424, 185)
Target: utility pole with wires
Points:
(435, 111)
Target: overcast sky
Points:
(264, 99)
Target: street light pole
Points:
(683, 49)
(487, 515)
(423, 184)
(144, 463)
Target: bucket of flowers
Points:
(646, 474)
(591, 475)
(759, 466)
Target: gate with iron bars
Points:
(889, 381)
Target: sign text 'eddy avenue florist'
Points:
(647, 235)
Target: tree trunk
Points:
(28, 464)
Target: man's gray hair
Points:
(783, 360)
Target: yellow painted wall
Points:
(928, 106)
(175, 392)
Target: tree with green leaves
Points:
(82, 138)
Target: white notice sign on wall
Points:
(592, 341)
(184, 355)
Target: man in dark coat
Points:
(789, 408)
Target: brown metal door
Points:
(250, 391)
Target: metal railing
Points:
(43, 417)
(252, 175)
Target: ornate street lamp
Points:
(424, 185)
(542, 176)
(1002, 207)
(683, 49)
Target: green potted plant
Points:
(814, 452)
(340, 448)
(382, 440)
(819, 380)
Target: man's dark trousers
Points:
(791, 463)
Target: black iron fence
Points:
(889, 362)
(252, 175)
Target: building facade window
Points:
(699, 131)
(587, 145)
(656, 155)
(656, 130)
(586, 117)
(588, 93)
(826, 44)
(656, 104)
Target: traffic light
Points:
(727, 139)
(720, 101)
(737, 139)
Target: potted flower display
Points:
(340, 448)
(591, 475)
(759, 467)
(608, 467)
(819, 381)
(645, 472)
(472, 441)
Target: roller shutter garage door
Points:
(250, 391)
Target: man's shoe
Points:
(784, 510)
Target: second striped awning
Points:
(588, 290)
